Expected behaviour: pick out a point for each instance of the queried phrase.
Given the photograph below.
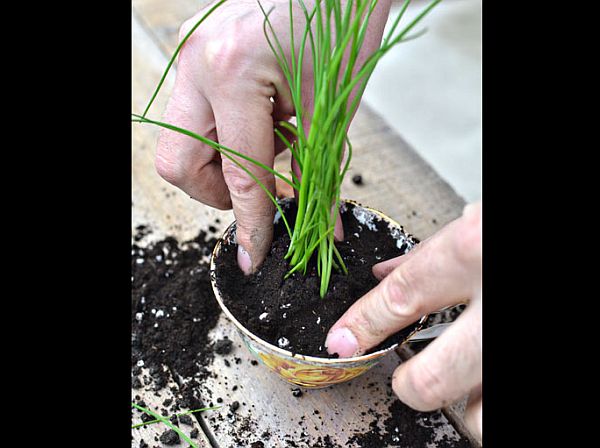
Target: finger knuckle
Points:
(223, 202)
(426, 382)
(239, 182)
(227, 51)
(185, 28)
(168, 168)
(468, 241)
(399, 299)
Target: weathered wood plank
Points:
(152, 198)
(165, 18)
(154, 401)
(399, 182)
(267, 404)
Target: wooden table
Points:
(396, 180)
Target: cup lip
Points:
(287, 353)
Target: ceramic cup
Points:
(311, 371)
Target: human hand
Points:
(443, 270)
(230, 89)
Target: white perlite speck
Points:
(286, 306)
(283, 342)
(140, 363)
(139, 260)
(262, 316)
(318, 320)
(138, 316)
(400, 238)
(365, 217)
(160, 313)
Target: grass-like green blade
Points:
(166, 422)
(150, 422)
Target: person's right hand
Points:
(227, 77)
(443, 270)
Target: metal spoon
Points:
(435, 330)
(429, 333)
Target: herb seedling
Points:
(166, 421)
(176, 415)
(334, 34)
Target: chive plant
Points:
(333, 34)
(193, 411)
(166, 421)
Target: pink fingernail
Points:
(244, 261)
(338, 231)
(342, 342)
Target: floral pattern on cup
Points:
(307, 374)
(311, 375)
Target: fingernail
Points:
(338, 230)
(379, 271)
(383, 268)
(342, 342)
(244, 261)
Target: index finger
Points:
(443, 271)
(244, 122)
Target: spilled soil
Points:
(173, 310)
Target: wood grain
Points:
(154, 402)
(267, 403)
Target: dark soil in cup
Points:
(290, 313)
